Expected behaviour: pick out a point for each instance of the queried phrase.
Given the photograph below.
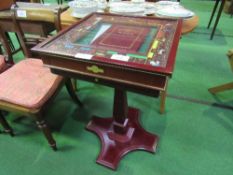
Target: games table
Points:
(125, 52)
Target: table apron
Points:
(128, 79)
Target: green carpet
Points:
(195, 138)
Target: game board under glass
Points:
(139, 42)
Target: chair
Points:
(47, 19)
(218, 15)
(227, 86)
(39, 22)
(4, 8)
(28, 87)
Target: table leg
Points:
(122, 133)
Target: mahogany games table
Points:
(128, 53)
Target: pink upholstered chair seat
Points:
(28, 84)
(2, 63)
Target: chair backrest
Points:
(5, 43)
(36, 20)
(39, 13)
(25, 17)
(19, 31)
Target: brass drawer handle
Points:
(95, 69)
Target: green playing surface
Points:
(93, 32)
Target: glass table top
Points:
(143, 42)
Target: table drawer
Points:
(110, 73)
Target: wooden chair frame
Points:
(7, 55)
(218, 15)
(36, 113)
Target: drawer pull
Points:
(95, 69)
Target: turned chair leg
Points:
(72, 93)
(5, 125)
(46, 131)
(224, 87)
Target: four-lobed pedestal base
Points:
(114, 145)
